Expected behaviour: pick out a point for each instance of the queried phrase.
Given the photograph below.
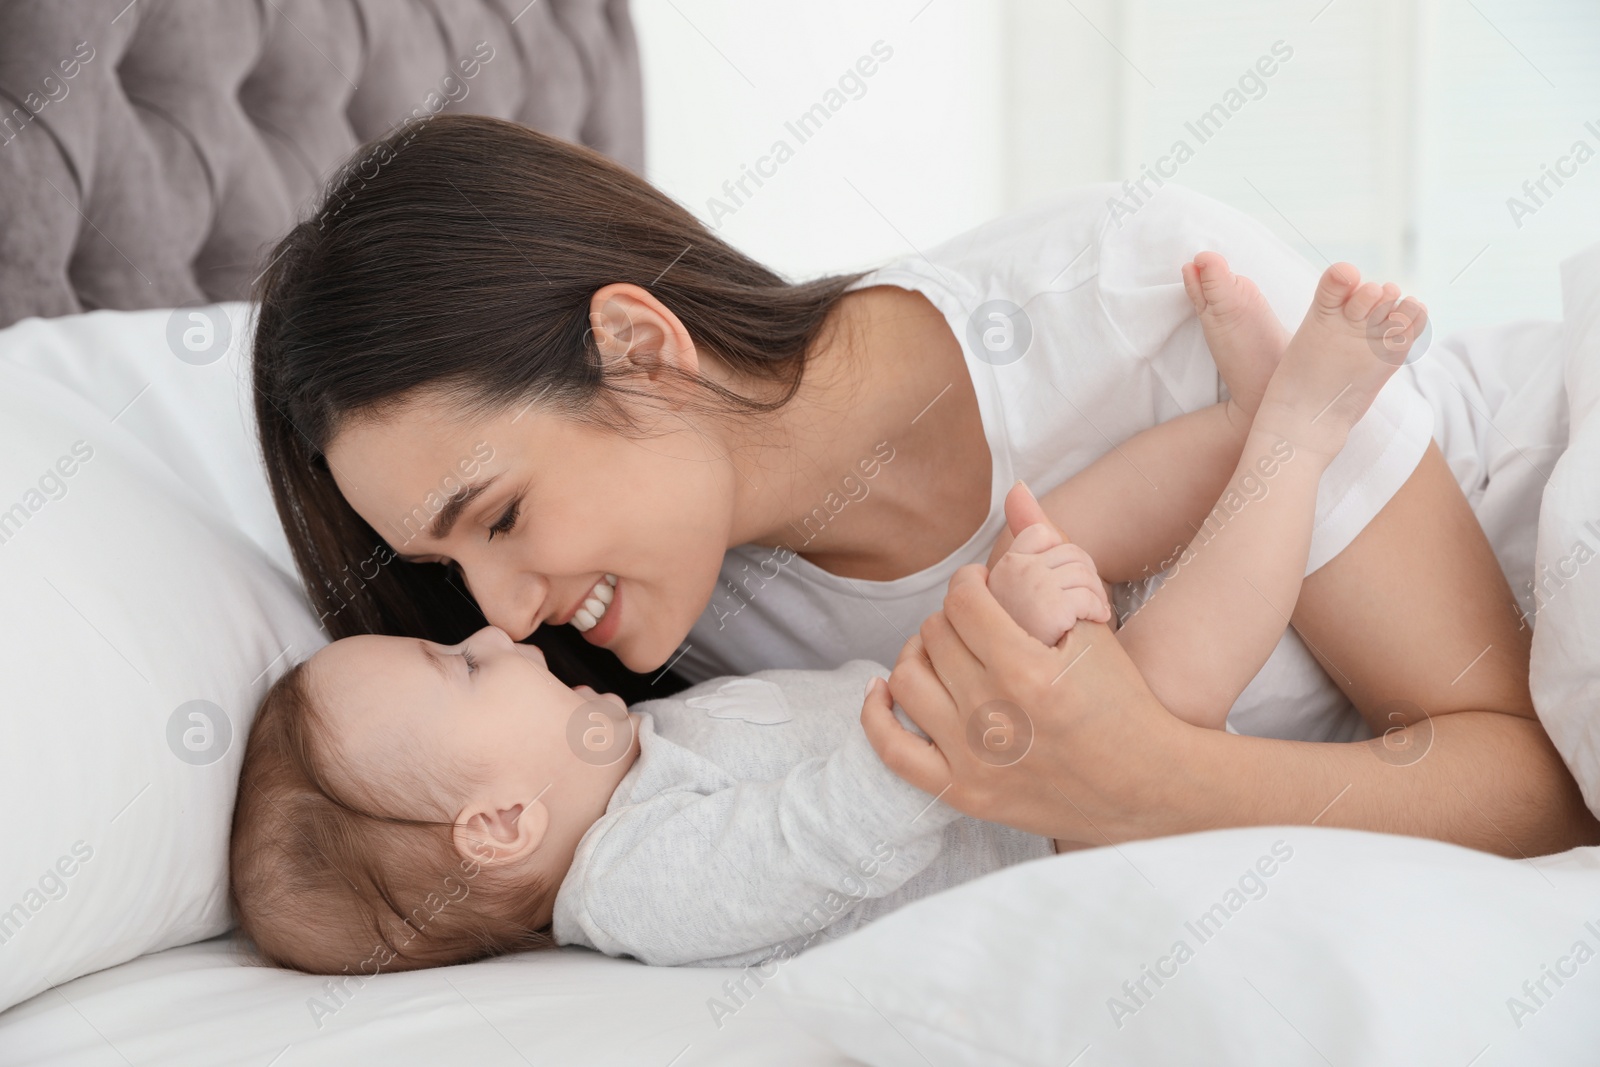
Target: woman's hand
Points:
(1065, 742)
(1025, 734)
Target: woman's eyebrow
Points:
(446, 519)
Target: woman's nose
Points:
(509, 601)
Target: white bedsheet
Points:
(197, 1005)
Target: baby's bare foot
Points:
(1245, 337)
(1354, 337)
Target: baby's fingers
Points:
(1063, 555)
(1087, 604)
(1071, 565)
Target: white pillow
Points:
(1566, 637)
(149, 602)
(1300, 945)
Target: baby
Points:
(407, 804)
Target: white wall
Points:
(1393, 135)
(914, 159)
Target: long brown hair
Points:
(460, 254)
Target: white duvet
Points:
(1356, 949)
(1565, 580)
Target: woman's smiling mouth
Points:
(594, 606)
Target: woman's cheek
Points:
(652, 632)
(640, 654)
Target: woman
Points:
(496, 352)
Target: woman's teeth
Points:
(594, 607)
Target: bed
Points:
(159, 149)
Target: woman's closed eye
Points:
(472, 661)
(507, 520)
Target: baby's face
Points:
(487, 719)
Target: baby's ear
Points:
(499, 837)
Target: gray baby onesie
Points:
(756, 821)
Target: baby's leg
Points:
(1216, 620)
(1135, 509)
(1244, 335)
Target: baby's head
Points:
(407, 804)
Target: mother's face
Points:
(537, 509)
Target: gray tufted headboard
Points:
(152, 152)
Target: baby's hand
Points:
(1047, 584)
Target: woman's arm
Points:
(1460, 758)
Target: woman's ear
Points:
(500, 837)
(629, 324)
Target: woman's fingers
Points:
(903, 752)
(953, 663)
(1023, 509)
(972, 572)
(920, 690)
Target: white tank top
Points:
(1106, 345)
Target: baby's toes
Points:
(1335, 286)
(1399, 330)
(1213, 267)
(1209, 283)
(1388, 297)
(1363, 302)
(1218, 283)
(1191, 288)
(1412, 312)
